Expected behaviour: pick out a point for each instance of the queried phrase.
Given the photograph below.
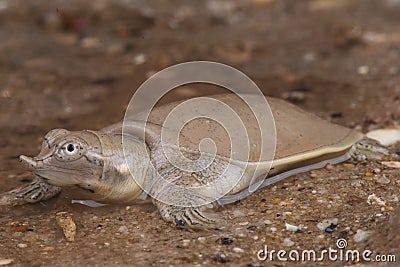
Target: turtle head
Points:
(69, 158)
(93, 161)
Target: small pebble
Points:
(375, 200)
(273, 229)
(313, 175)
(238, 250)
(328, 223)
(329, 167)
(385, 136)
(22, 245)
(363, 70)
(361, 235)
(391, 164)
(244, 223)
(376, 170)
(287, 242)
(5, 261)
(123, 229)
(67, 224)
(238, 213)
(106, 244)
(383, 180)
(201, 238)
(293, 228)
(267, 222)
(139, 59)
(309, 57)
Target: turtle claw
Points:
(38, 190)
(190, 217)
(368, 149)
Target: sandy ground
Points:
(75, 65)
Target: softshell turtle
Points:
(94, 160)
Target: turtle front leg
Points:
(182, 208)
(188, 217)
(368, 149)
(38, 190)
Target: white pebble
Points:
(309, 57)
(201, 238)
(391, 164)
(238, 250)
(22, 245)
(363, 70)
(273, 229)
(139, 59)
(293, 228)
(123, 229)
(361, 235)
(287, 242)
(385, 136)
(383, 180)
(267, 222)
(5, 261)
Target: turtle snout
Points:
(30, 162)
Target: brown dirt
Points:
(75, 65)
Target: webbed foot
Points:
(189, 217)
(38, 190)
(368, 149)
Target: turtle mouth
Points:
(37, 166)
(52, 174)
(31, 162)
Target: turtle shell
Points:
(292, 137)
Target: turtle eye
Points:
(69, 151)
